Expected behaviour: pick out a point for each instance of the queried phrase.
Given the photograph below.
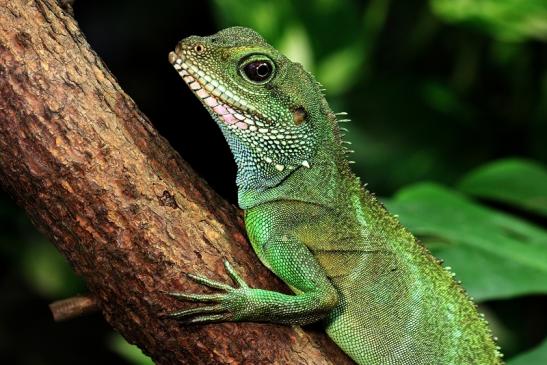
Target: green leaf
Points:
(517, 182)
(536, 356)
(507, 20)
(129, 352)
(495, 255)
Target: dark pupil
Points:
(258, 71)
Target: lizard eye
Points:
(258, 70)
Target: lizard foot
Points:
(231, 304)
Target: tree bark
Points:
(119, 203)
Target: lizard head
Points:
(266, 106)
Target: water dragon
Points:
(383, 298)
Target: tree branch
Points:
(70, 308)
(119, 203)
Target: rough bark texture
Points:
(112, 195)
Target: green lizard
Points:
(383, 297)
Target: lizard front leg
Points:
(291, 261)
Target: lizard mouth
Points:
(228, 108)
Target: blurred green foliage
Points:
(335, 60)
(520, 183)
(129, 352)
(536, 356)
(444, 94)
(47, 272)
(495, 254)
(510, 20)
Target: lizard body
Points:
(384, 299)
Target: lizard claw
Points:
(207, 319)
(227, 303)
(208, 282)
(202, 298)
(234, 275)
(192, 311)
(200, 315)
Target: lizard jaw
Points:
(226, 106)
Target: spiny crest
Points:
(322, 89)
(344, 144)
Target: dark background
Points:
(434, 92)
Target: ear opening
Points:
(299, 115)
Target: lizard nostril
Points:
(178, 48)
(199, 48)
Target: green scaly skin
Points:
(381, 295)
